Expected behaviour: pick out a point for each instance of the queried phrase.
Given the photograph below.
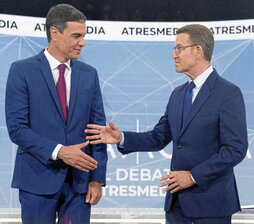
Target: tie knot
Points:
(61, 68)
(191, 86)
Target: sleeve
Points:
(17, 117)
(99, 152)
(154, 140)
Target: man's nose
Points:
(174, 54)
(82, 42)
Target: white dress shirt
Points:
(199, 81)
(54, 63)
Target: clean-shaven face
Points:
(185, 59)
(71, 41)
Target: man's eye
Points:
(76, 35)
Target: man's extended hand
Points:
(177, 180)
(103, 134)
(75, 157)
(94, 193)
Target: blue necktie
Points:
(187, 101)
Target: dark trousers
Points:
(68, 205)
(175, 216)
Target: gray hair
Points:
(59, 14)
(200, 35)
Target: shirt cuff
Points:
(192, 178)
(122, 141)
(55, 152)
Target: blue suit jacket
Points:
(209, 145)
(35, 123)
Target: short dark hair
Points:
(200, 35)
(59, 14)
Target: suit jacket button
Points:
(178, 147)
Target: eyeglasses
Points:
(179, 49)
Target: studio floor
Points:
(125, 216)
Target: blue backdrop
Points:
(136, 79)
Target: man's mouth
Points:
(79, 50)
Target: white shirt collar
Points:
(199, 81)
(53, 62)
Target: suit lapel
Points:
(200, 99)
(75, 74)
(47, 74)
(180, 107)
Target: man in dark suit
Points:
(50, 98)
(205, 119)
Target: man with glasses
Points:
(205, 119)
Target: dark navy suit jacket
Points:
(35, 123)
(209, 145)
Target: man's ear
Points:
(54, 32)
(200, 51)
